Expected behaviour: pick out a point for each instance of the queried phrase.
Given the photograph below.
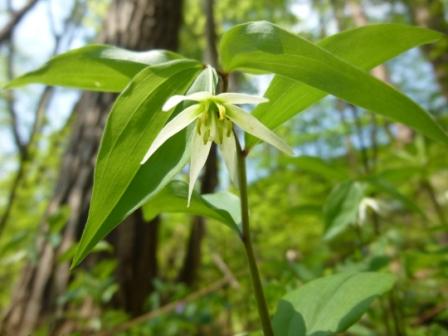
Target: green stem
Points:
(263, 311)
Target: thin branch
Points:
(25, 148)
(211, 51)
(10, 101)
(172, 306)
(17, 16)
(224, 268)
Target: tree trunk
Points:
(192, 260)
(132, 24)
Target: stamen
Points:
(198, 125)
(219, 132)
(206, 136)
(221, 111)
(205, 117)
(229, 128)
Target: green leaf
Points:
(261, 47)
(94, 67)
(223, 206)
(329, 305)
(120, 183)
(341, 207)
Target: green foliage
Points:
(224, 206)
(95, 68)
(261, 47)
(364, 47)
(329, 305)
(321, 168)
(125, 140)
(341, 207)
(304, 73)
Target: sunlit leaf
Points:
(329, 305)
(133, 123)
(261, 47)
(94, 67)
(223, 206)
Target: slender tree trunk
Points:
(132, 24)
(192, 260)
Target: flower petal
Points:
(200, 95)
(241, 98)
(173, 101)
(177, 99)
(228, 150)
(199, 154)
(252, 125)
(178, 123)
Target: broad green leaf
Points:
(120, 182)
(261, 47)
(223, 206)
(365, 47)
(329, 305)
(94, 67)
(341, 207)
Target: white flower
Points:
(214, 116)
(365, 204)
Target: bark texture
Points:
(133, 24)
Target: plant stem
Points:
(263, 311)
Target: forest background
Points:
(184, 275)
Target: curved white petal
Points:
(200, 95)
(179, 122)
(228, 150)
(199, 154)
(173, 101)
(177, 99)
(241, 98)
(252, 125)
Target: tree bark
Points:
(132, 24)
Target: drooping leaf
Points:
(329, 305)
(365, 47)
(120, 183)
(223, 206)
(261, 47)
(94, 67)
(341, 207)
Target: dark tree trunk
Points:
(132, 24)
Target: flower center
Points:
(212, 124)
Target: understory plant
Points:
(170, 110)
